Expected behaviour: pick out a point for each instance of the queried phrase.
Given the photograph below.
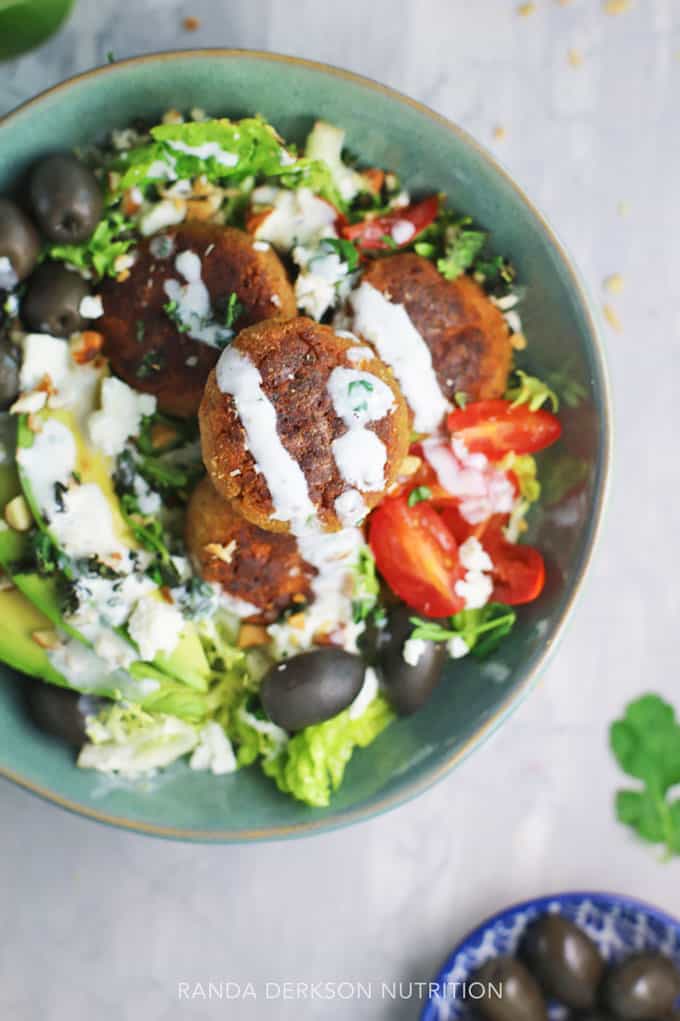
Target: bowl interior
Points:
(619, 926)
(386, 130)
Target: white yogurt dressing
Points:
(333, 554)
(296, 217)
(206, 151)
(119, 417)
(88, 672)
(193, 305)
(73, 386)
(358, 399)
(389, 328)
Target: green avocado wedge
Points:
(18, 647)
(187, 664)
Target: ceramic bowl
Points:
(430, 154)
(618, 925)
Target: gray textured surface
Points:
(104, 925)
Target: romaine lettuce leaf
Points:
(311, 765)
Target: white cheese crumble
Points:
(163, 214)
(119, 417)
(413, 650)
(296, 218)
(155, 626)
(389, 328)
(457, 647)
(73, 386)
(91, 307)
(473, 556)
(402, 232)
(213, 751)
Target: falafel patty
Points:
(298, 423)
(190, 289)
(467, 335)
(263, 569)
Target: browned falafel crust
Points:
(262, 568)
(295, 360)
(142, 341)
(465, 332)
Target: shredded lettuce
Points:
(525, 470)
(532, 391)
(128, 740)
(224, 150)
(311, 765)
(98, 255)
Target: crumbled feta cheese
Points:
(164, 214)
(213, 751)
(155, 626)
(413, 650)
(91, 307)
(475, 588)
(402, 232)
(473, 556)
(119, 417)
(297, 217)
(457, 647)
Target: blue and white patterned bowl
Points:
(618, 925)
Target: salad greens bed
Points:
(154, 703)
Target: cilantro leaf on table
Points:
(646, 744)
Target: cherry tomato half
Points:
(518, 570)
(417, 556)
(495, 428)
(379, 232)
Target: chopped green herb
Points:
(461, 398)
(363, 406)
(59, 490)
(389, 241)
(366, 586)
(419, 494)
(140, 329)
(646, 744)
(152, 362)
(98, 255)
(481, 630)
(360, 383)
(345, 249)
(171, 310)
(424, 248)
(234, 310)
(462, 248)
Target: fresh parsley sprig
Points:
(646, 744)
(481, 630)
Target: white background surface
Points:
(102, 925)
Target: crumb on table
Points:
(190, 24)
(612, 318)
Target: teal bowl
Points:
(431, 154)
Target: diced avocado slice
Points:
(20, 621)
(187, 662)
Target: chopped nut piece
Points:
(191, 24)
(251, 635)
(575, 57)
(172, 117)
(48, 639)
(17, 514)
(614, 283)
(524, 10)
(297, 621)
(623, 208)
(86, 346)
(518, 341)
(612, 318)
(616, 6)
(410, 465)
(220, 552)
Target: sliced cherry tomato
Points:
(417, 556)
(459, 528)
(380, 232)
(518, 570)
(495, 428)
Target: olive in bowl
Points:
(510, 992)
(311, 687)
(642, 987)
(410, 669)
(60, 712)
(19, 245)
(66, 199)
(9, 373)
(52, 301)
(564, 960)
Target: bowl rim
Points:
(511, 702)
(542, 903)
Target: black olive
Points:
(66, 198)
(9, 373)
(408, 687)
(565, 961)
(506, 991)
(311, 687)
(52, 301)
(642, 987)
(60, 712)
(19, 243)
